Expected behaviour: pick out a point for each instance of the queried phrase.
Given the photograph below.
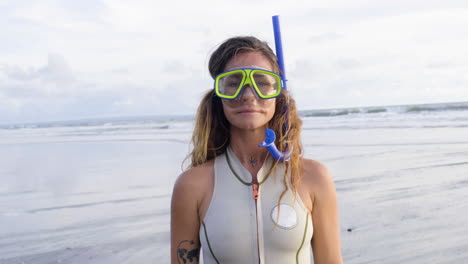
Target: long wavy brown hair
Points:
(211, 135)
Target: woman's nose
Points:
(248, 93)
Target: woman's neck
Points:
(244, 144)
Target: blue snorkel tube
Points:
(279, 48)
(270, 136)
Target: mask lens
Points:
(268, 84)
(229, 84)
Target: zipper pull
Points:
(255, 190)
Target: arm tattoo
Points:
(188, 251)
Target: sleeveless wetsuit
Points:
(237, 229)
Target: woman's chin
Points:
(249, 125)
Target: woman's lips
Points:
(248, 111)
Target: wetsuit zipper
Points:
(255, 188)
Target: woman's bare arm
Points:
(326, 243)
(185, 224)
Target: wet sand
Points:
(403, 196)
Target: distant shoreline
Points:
(340, 111)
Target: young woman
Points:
(235, 201)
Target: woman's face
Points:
(248, 111)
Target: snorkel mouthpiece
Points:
(270, 136)
(269, 143)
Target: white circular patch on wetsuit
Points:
(287, 216)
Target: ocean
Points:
(98, 190)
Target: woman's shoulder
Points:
(315, 174)
(196, 178)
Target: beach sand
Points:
(403, 196)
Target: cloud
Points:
(16, 73)
(69, 59)
(56, 92)
(174, 67)
(54, 78)
(414, 57)
(325, 37)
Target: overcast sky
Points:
(69, 59)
